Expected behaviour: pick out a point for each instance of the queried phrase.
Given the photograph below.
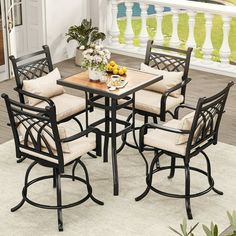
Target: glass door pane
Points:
(18, 13)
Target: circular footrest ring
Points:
(172, 195)
(56, 207)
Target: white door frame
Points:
(4, 70)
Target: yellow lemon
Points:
(115, 71)
(115, 67)
(124, 69)
(110, 68)
(112, 63)
(121, 72)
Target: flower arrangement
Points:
(96, 58)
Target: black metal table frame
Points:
(111, 107)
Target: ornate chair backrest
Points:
(31, 66)
(35, 130)
(169, 59)
(207, 119)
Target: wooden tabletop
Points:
(136, 80)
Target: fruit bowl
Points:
(115, 69)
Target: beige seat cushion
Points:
(66, 105)
(150, 101)
(165, 140)
(77, 148)
(170, 79)
(45, 86)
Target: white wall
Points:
(60, 15)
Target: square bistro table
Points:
(137, 80)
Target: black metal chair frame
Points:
(208, 114)
(38, 120)
(163, 60)
(26, 69)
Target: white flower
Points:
(97, 47)
(96, 57)
(101, 53)
(82, 47)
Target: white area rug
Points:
(120, 215)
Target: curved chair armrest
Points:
(81, 134)
(147, 126)
(45, 99)
(167, 93)
(85, 132)
(165, 128)
(184, 105)
(176, 87)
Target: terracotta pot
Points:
(79, 57)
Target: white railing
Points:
(204, 56)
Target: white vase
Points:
(79, 57)
(94, 74)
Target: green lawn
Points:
(231, 1)
(217, 32)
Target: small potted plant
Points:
(84, 35)
(95, 59)
(211, 231)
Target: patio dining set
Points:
(156, 92)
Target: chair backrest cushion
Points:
(170, 79)
(185, 124)
(45, 86)
(46, 136)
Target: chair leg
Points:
(73, 170)
(172, 170)
(145, 193)
(21, 159)
(24, 192)
(54, 178)
(124, 137)
(149, 178)
(187, 191)
(158, 160)
(92, 155)
(88, 183)
(59, 201)
(155, 120)
(79, 123)
(209, 174)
